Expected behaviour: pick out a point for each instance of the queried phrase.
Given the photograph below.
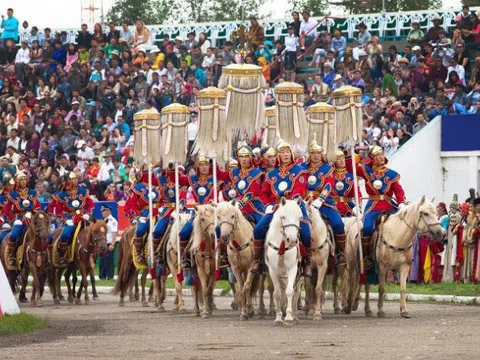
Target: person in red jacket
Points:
(72, 204)
(343, 191)
(384, 192)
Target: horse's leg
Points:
(74, 279)
(404, 271)
(278, 299)
(336, 307)
(144, 283)
(92, 280)
(178, 286)
(261, 311)
(289, 292)
(137, 289)
(36, 298)
(203, 277)
(240, 293)
(381, 290)
(68, 272)
(83, 272)
(24, 279)
(321, 272)
(271, 289)
(249, 282)
(211, 285)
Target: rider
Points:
(228, 188)
(382, 184)
(246, 183)
(201, 183)
(320, 184)
(74, 205)
(343, 192)
(137, 210)
(21, 203)
(5, 187)
(269, 159)
(287, 180)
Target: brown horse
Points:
(34, 257)
(127, 273)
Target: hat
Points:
(141, 50)
(116, 52)
(404, 61)
(122, 40)
(314, 146)
(415, 22)
(337, 77)
(90, 103)
(154, 49)
(178, 38)
(436, 17)
(193, 113)
(362, 53)
(80, 144)
(416, 48)
(327, 63)
(106, 207)
(169, 47)
(75, 102)
(268, 43)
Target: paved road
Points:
(105, 331)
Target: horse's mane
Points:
(97, 225)
(284, 210)
(414, 206)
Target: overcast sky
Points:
(67, 13)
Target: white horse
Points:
(283, 233)
(237, 233)
(393, 250)
(322, 248)
(171, 251)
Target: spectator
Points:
(256, 34)
(364, 37)
(84, 153)
(328, 74)
(106, 259)
(420, 124)
(9, 26)
(416, 35)
(338, 44)
(458, 69)
(308, 30)
(84, 38)
(433, 33)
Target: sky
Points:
(67, 13)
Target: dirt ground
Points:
(103, 330)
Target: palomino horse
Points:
(322, 248)
(203, 251)
(393, 249)
(282, 258)
(127, 273)
(237, 233)
(35, 256)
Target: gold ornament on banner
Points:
(321, 122)
(174, 142)
(245, 103)
(291, 123)
(146, 130)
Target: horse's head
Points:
(289, 215)
(227, 218)
(41, 226)
(206, 218)
(427, 220)
(97, 233)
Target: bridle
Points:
(416, 227)
(288, 245)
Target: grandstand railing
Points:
(387, 26)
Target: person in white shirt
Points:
(103, 177)
(13, 140)
(23, 54)
(11, 154)
(308, 30)
(459, 69)
(106, 259)
(291, 45)
(84, 153)
(209, 59)
(192, 129)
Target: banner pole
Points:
(215, 199)
(177, 221)
(151, 261)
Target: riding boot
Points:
(340, 243)
(367, 253)
(307, 263)
(62, 252)
(11, 254)
(138, 244)
(185, 255)
(156, 251)
(258, 250)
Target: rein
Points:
(281, 250)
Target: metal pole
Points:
(177, 222)
(215, 199)
(357, 217)
(150, 210)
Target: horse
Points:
(34, 257)
(127, 273)
(322, 249)
(237, 233)
(282, 258)
(393, 248)
(261, 310)
(171, 251)
(202, 249)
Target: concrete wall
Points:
(425, 170)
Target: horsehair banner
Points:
(321, 123)
(146, 130)
(245, 99)
(212, 133)
(291, 123)
(270, 127)
(348, 103)
(174, 122)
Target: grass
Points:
(20, 324)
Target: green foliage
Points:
(150, 11)
(20, 324)
(375, 6)
(315, 7)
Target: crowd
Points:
(70, 106)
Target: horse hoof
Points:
(70, 299)
(162, 309)
(405, 315)
(137, 297)
(197, 314)
(39, 304)
(23, 299)
(87, 302)
(296, 321)
(214, 307)
(182, 311)
(121, 304)
(95, 297)
(300, 307)
(317, 318)
(132, 299)
(233, 305)
(271, 313)
(56, 301)
(337, 311)
(151, 298)
(278, 323)
(145, 304)
(205, 315)
(368, 313)
(346, 311)
(243, 317)
(61, 297)
(381, 314)
(288, 322)
(77, 302)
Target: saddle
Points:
(146, 250)
(18, 256)
(377, 234)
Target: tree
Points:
(376, 6)
(150, 11)
(470, 3)
(315, 7)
